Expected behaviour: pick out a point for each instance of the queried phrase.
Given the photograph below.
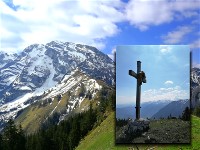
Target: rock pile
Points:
(133, 129)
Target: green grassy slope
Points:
(102, 138)
(33, 116)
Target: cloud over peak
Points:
(176, 36)
(88, 22)
(25, 22)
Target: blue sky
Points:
(196, 58)
(103, 24)
(166, 67)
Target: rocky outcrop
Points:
(133, 129)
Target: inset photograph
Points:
(153, 94)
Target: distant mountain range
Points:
(147, 109)
(155, 109)
(173, 109)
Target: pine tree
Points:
(21, 139)
(186, 114)
(1, 147)
(10, 136)
(74, 136)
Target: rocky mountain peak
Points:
(44, 72)
(195, 77)
(43, 66)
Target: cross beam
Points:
(140, 76)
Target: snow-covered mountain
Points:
(195, 87)
(195, 77)
(72, 95)
(44, 72)
(40, 67)
(6, 58)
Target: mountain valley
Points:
(157, 109)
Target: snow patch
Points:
(77, 54)
(25, 88)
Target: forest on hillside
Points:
(65, 136)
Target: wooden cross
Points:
(141, 77)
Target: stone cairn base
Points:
(133, 129)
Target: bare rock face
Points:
(40, 65)
(138, 126)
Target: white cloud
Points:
(173, 93)
(145, 13)
(85, 21)
(164, 49)
(112, 55)
(36, 21)
(177, 35)
(169, 82)
(195, 44)
(141, 14)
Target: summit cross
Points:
(141, 78)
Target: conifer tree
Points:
(186, 114)
(10, 136)
(1, 147)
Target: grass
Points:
(32, 117)
(63, 102)
(103, 138)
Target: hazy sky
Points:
(101, 23)
(167, 72)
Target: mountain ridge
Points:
(147, 109)
(55, 60)
(30, 75)
(173, 109)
